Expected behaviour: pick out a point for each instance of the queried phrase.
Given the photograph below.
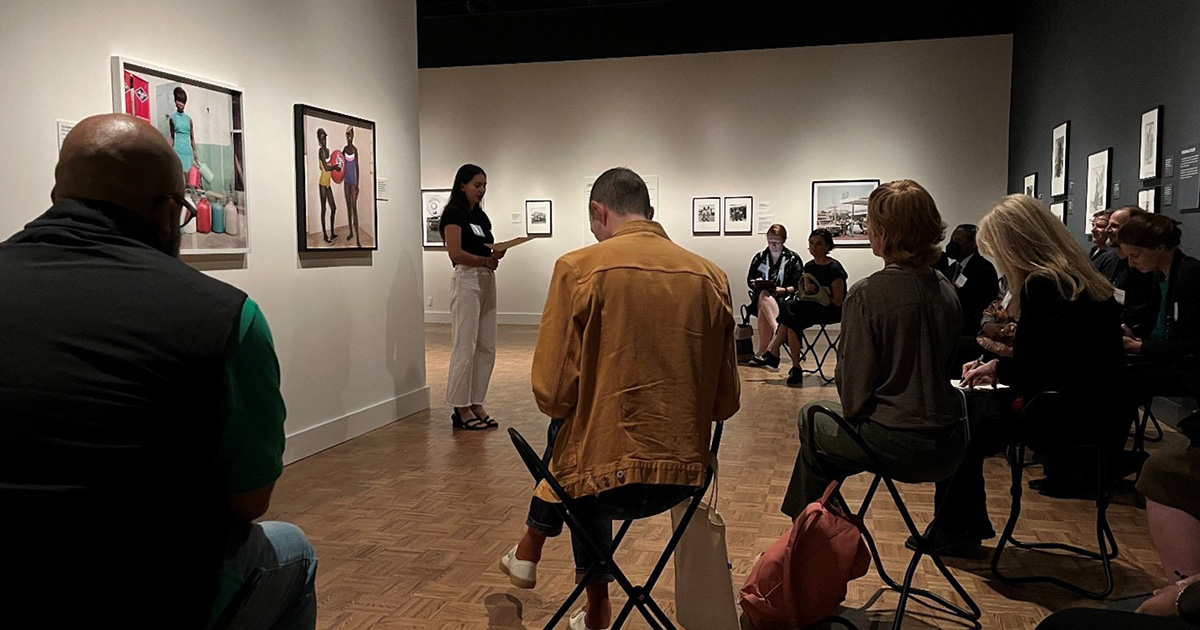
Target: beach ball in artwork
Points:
(337, 162)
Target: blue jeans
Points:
(278, 569)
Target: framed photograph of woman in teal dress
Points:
(202, 119)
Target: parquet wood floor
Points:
(410, 520)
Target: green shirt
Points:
(1160, 327)
(250, 455)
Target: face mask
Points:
(954, 250)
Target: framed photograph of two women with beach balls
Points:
(335, 181)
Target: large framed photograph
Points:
(840, 206)
(1151, 144)
(202, 119)
(433, 202)
(1058, 161)
(539, 217)
(1148, 199)
(1097, 186)
(1031, 185)
(335, 163)
(739, 215)
(706, 215)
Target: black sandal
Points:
(491, 424)
(471, 424)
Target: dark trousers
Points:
(961, 501)
(596, 513)
(912, 456)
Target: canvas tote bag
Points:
(704, 594)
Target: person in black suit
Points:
(1134, 288)
(973, 276)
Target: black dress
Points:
(800, 314)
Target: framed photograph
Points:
(335, 161)
(202, 119)
(1097, 186)
(1058, 161)
(539, 217)
(1151, 144)
(840, 206)
(433, 201)
(739, 215)
(1031, 185)
(1148, 199)
(706, 215)
(1059, 210)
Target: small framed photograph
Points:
(1059, 210)
(1097, 186)
(539, 217)
(335, 162)
(840, 206)
(1058, 161)
(1148, 199)
(706, 215)
(433, 201)
(1151, 144)
(739, 215)
(1031, 185)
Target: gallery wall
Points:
(1100, 66)
(761, 123)
(346, 327)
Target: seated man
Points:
(976, 284)
(142, 430)
(1099, 235)
(639, 385)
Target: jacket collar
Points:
(641, 225)
(92, 220)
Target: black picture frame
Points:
(433, 201)
(1148, 162)
(1060, 160)
(308, 176)
(532, 208)
(701, 206)
(744, 225)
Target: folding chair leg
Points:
(1106, 543)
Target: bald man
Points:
(141, 424)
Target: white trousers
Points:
(472, 335)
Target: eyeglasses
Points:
(187, 211)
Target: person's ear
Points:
(599, 212)
(54, 194)
(650, 214)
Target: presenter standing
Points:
(467, 232)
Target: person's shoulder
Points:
(836, 265)
(1040, 287)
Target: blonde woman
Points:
(1068, 340)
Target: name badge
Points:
(1176, 318)
(478, 231)
(1006, 300)
(960, 281)
(1119, 296)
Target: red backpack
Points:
(802, 578)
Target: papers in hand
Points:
(509, 244)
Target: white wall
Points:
(347, 329)
(762, 123)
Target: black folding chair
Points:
(810, 349)
(925, 545)
(1045, 409)
(602, 559)
(1146, 420)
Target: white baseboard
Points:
(333, 432)
(524, 319)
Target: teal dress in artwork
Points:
(183, 139)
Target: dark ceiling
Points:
(481, 32)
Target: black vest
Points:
(111, 390)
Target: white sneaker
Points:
(577, 621)
(522, 573)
